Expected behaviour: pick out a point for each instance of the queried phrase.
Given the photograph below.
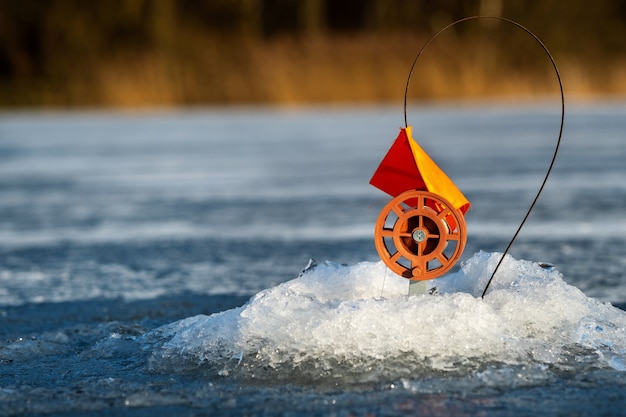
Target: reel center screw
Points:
(418, 235)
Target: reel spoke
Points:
(396, 256)
(445, 213)
(442, 258)
(397, 209)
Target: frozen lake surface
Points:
(150, 262)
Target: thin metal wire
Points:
(558, 142)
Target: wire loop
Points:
(558, 142)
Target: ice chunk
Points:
(358, 322)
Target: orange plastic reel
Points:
(419, 235)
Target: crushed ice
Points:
(357, 324)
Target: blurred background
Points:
(133, 53)
(115, 221)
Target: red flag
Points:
(398, 172)
(407, 167)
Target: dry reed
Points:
(340, 69)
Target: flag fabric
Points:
(406, 166)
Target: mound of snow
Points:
(357, 323)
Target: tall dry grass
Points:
(339, 69)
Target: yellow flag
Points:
(436, 181)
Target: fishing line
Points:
(382, 290)
(558, 142)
